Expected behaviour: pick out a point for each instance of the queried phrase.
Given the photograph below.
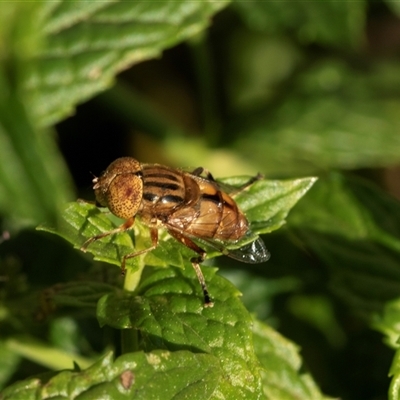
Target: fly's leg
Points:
(200, 170)
(128, 224)
(247, 184)
(122, 228)
(154, 243)
(196, 263)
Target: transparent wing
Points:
(251, 252)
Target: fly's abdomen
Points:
(217, 216)
(233, 224)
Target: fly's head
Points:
(120, 187)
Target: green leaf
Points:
(44, 354)
(146, 376)
(169, 313)
(82, 221)
(88, 43)
(394, 392)
(388, 323)
(267, 203)
(82, 294)
(260, 292)
(318, 312)
(258, 64)
(281, 363)
(9, 361)
(354, 228)
(331, 119)
(33, 179)
(326, 22)
(393, 5)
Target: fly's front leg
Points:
(122, 228)
(196, 263)
(199, 170)
(125, 226)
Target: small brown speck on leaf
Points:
(127, 379)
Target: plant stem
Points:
(132, 278)
(129, 337)
(45, 355)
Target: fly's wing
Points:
(251, 252)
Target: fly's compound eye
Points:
(124, 195)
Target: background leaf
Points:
(394, 374)
(88, 43)
(33, 179)
(352, 227)
(326, 22)
(281, 366)
(331, 120)
(386, 322)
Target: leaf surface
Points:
(328, 22)
(168, 312)
(331, 118)
(354, 228)
(88, 43)
(34, 181)
(147, 376)
(281, 375)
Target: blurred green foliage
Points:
(291, 90)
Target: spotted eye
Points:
(124, 195)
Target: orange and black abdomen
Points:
(214, 214)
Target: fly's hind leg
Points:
(196, 263)
(253, 179)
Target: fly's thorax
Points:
(165, 189)
(120, 187)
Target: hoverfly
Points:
(188, 205)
